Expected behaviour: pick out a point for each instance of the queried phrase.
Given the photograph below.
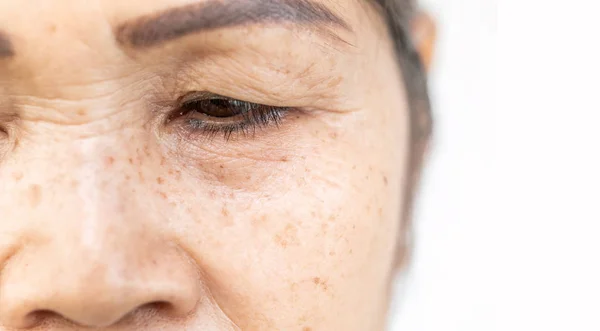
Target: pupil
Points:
(219, 108)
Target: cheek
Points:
(319, 226)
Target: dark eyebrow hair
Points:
(216, 14)
(6, 48)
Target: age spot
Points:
(224, 211)
(18, 176)
(109, 161)
(321, 283)
(35, 195)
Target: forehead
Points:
(35, 23)
(78, 13)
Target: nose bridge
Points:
(88, 199)
(86, 189)
(87, 250)
(106, 192)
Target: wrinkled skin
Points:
(112, 217)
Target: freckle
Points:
(282, 242)
(224, 211)
(35, 195)
(147, 150)
(18, 176)
(248, 177)
(130, 161)
(163, 195)
(385, 180)
(51, 28)
(313, 214)
(109, 161)
(127, 177)
(332, 218)
(333, 135)
(81, 112)
(284, 159)
(306, 328)
(74, 183)
(141, 176)
(160, 181)
(380, 211)
(221, 166)
(259, 221)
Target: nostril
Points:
(44, 317)
(153, 308)
(149, 311)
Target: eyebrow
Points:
(6, 48)
(210, 15)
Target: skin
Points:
(113, 218)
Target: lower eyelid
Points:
(197, 129)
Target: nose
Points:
(95, 290)
(94, 255)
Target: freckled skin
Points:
(112, 219)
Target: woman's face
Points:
(198, 165)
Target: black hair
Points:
(399, 14)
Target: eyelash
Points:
(210, 115)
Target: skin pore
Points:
(242, 173)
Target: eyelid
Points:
(199, 95)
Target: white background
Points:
(449, 286)
(508, 225)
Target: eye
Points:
(210, 114)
